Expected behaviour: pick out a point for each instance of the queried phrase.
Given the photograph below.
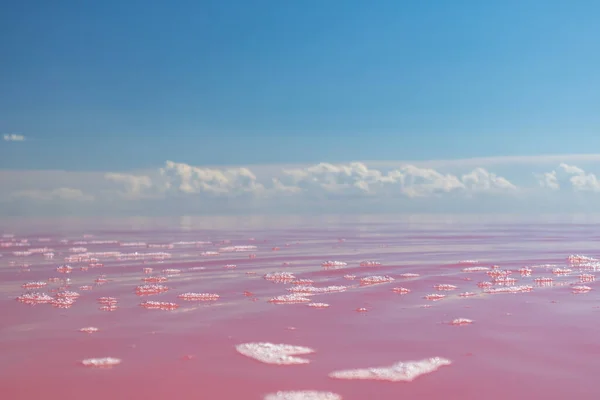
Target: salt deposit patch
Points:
(475, 269)
(63, 302)
(318, 305)
(579, 289)
(106, 362)
(34, 285)
(302, 282)
(317, 290)
(146, 290)
(35, 298)
(374, 280)
(401, 371)
(409, 275)
(303, 395)
(155, 279)
(333, 264)
(444, 286)
(159, 305)
(370, 263)
(199, 296)
(461, 321)
(276, 354)
(510, 289)
(434, 296)
(586, 278)
(280, 277)
(292, 298)
(525, 271)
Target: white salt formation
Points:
(374, 280)
(199, 296)
(303, 395)
(317, 290)
(334, 264)
(106, 362)
(292, 298)
(318, 305)
(277, 354)
(461, 321)
(475, 269)
(401, 371)
(280, 277)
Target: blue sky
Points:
(121, 85)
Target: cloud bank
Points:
(13, 137)
(178, 188)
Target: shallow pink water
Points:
(540, 342)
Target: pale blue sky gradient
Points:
(119, 85)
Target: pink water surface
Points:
(536, 343)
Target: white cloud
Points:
(548, 180)
(480, 180)
(134, 186)
(408, 180)
(359, 187)
(13, 137)
(569, 176)
(60, 194)
(188, 179)
(580, 180)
